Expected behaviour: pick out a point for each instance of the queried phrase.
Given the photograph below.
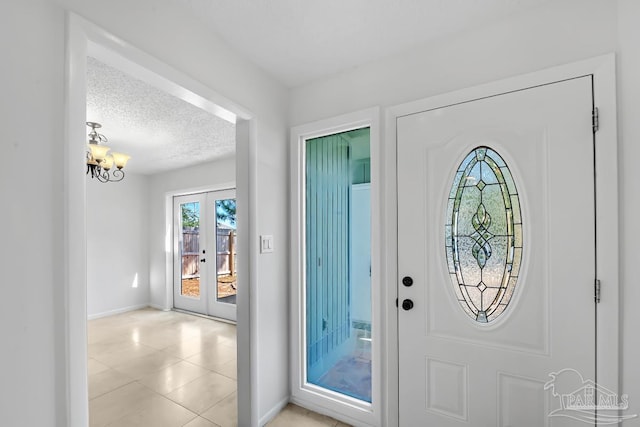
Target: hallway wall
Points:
(117, 245)
(32, 78)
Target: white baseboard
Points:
(273, 412)
(159, 307)
(117, 311)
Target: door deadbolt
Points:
(407, 281)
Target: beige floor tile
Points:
(109, 343)
(157, 412)
(150, 345)
(214, 357)
(201, 394)
(221, 336)
(296, 409)
(106, 381)
(114, 405)
(200, 422)
(146, 365)
(224, 413)
(173, 376)
(199, 326)
(114, 354)
(122, 329)
(95, 367)
(186, 348)
(288, 419)
(228, 369)
(293, 415)
(152, 315)
(226, 334)
(325, 420)
(161, 339)
(197, 344)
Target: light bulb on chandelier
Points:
(99, 161)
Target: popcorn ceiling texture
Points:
(159, 131)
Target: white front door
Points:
(496, 255)
(205, 257)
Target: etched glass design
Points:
(483, 235)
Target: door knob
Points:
(407, 281)
(407, 304)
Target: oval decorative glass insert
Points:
(483, 234)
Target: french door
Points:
(205, 259)
(496, 257)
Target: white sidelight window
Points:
(335, 291)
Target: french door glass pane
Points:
(190, 249)
(338, 263)
(226, 238)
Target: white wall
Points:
(206, 176)
(117, 245)
(560, 32)
(33, 367)
(556, 33)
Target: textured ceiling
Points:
(159, 131)
(298, 41)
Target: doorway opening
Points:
(86, 39)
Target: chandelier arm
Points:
(117, 175)
(93, 169)
(102, 175)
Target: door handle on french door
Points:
(203, 260)
(407, 304)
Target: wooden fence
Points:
(190, 252)
(226, 256)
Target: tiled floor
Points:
(296, 416)
(168, 369)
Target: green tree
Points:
(226, 211)
(190, 216)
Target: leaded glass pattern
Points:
(483, 234)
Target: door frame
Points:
(171, 278)
(602, 68)
(83, 37)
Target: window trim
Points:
(336, 405)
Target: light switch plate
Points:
(266, 243)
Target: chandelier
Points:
(101, 164)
